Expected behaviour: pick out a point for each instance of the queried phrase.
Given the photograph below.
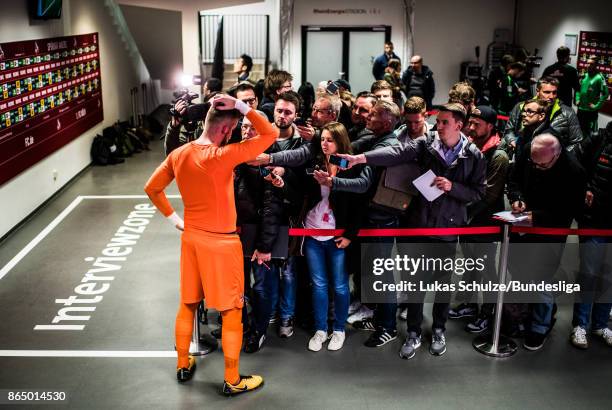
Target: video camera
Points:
(193, 113)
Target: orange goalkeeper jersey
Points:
(205, 178)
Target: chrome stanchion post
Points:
(496, 345)
(201, 344)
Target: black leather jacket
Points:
(561, 119)
(259, 202)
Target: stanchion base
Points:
(484, 344)
(205, 345)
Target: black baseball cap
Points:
(344, 84)
(485, 113)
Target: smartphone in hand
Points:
(336, 160)
(264, 171)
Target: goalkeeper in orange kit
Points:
(211, 252)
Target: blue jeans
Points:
(592, 257)
(326, 265)
(542, 313)
(265, 293)
(288, 288)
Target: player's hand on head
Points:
(223, 102)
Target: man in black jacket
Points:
(286, 110)
(561, 118)
(418, 80)
(533, 123)
(549, 185)
(460, 170)
(260, 203)
(381, 62)
(565, 74)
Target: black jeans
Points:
(439, 249)
(382, 247)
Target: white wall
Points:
(267, 7)
(189, 17)
(162, 48)
(543, 26)
(447, 31)
(381, 12)
(25, 192)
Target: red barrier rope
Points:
(561, 231)
(479, 230)
(400, 232)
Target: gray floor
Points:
(137, 314)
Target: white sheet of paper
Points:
(423, 184)
(508, 216)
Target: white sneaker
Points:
(337, 340)
(364, 312)
(578, 338)
(605, 334)
(354, 307)
(316, 342)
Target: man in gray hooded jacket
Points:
(460, 173)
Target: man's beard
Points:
(478, 138)
(284, 127)
(531, 126)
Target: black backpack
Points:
(100, 152)
(104, 151)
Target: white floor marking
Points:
(87, 353)
(11, 264)
(7, 268)
(124, 196)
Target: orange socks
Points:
(182, 331)
(231, 341)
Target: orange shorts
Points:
(212, 267)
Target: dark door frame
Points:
(345, 30)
